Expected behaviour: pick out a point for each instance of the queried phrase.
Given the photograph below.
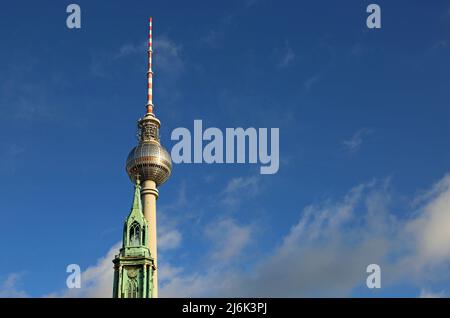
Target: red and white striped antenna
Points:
(150, 72)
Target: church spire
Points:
(136, 227)
(137, 204)
(134, 266)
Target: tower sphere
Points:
(150, 161)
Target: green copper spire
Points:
(133, 267)
(136, 227)
(137, 205)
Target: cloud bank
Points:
(325, 253)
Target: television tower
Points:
(148, 165)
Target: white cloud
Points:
(9, 288)
(228, 239)
(424, 293)
(168, 63)
(131, 49)
(168, 239)
(240, 188)
(167, 56)
(96, 280)
(288, 56)
(430, 230)
(353, 144)
(186, 283)
(311, 81)
(238, 184)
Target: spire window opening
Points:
(133, 289)
(143, 237)
(135, 234)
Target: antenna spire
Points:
(150, 72)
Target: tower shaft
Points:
(149, 195)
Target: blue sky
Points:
(364, 145)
